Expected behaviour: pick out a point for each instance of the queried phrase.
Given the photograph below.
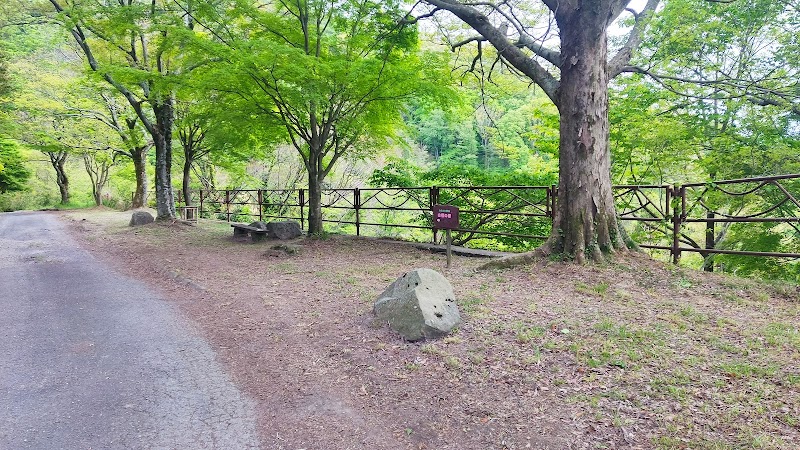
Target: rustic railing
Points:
(681, 218)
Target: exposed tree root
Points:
(596, 256)
(521, 259)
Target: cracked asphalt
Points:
(91, 359)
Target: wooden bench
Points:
(256, 234)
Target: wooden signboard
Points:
(445, 217)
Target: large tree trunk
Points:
(139, 156)
(585, 221)
(162, 140)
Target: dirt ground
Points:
(630, 354)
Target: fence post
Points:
(547, 194)
(260, 206)
(357, 205)
(678, 209)
(433, 196)
(301, 199)
(708, 261)
(553, 197)
(227, 205)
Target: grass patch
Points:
(600, 289)
(782, 335)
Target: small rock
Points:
(141, 218)
(419, 305)
(289, 249)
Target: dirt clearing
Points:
(633, 354)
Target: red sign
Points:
(445, 217)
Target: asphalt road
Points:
(91, 359)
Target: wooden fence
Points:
(678, 218)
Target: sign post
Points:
(445, 217)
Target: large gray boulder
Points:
(141, 218)
(284, 230)
(419, 305)
(258, 236)
(259, 225)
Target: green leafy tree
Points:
(103, 106)
(719, 84)
(211, 136)
(135, 46)
(5, 79)
(577, 77)
(13, 173)
(98, 165)
(333, 75)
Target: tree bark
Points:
(187, 179)
(139, 156)
(585, 221)
(162, 140)
(63, 185)
(58, 160)
(314, 199)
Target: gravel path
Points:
(92, 359)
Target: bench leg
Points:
(237, 232)
(257, 237)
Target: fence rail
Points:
(694, 217)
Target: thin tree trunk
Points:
(58, 160)
(314, 198)
(139, 156)
(94, 177)
(585, 222)
(63, 185)
(187, 179)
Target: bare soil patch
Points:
(633, 354)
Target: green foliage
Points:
(5, 80)
(496, 202)
(701, 121)
(13, 173)
(764, 237)
(301, 76)
(513, 128)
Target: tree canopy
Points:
(13, 173)
(331, 78)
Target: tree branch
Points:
(732, 88)
(623, 56)
(552, 56)
(80, 37)
(510, 52)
